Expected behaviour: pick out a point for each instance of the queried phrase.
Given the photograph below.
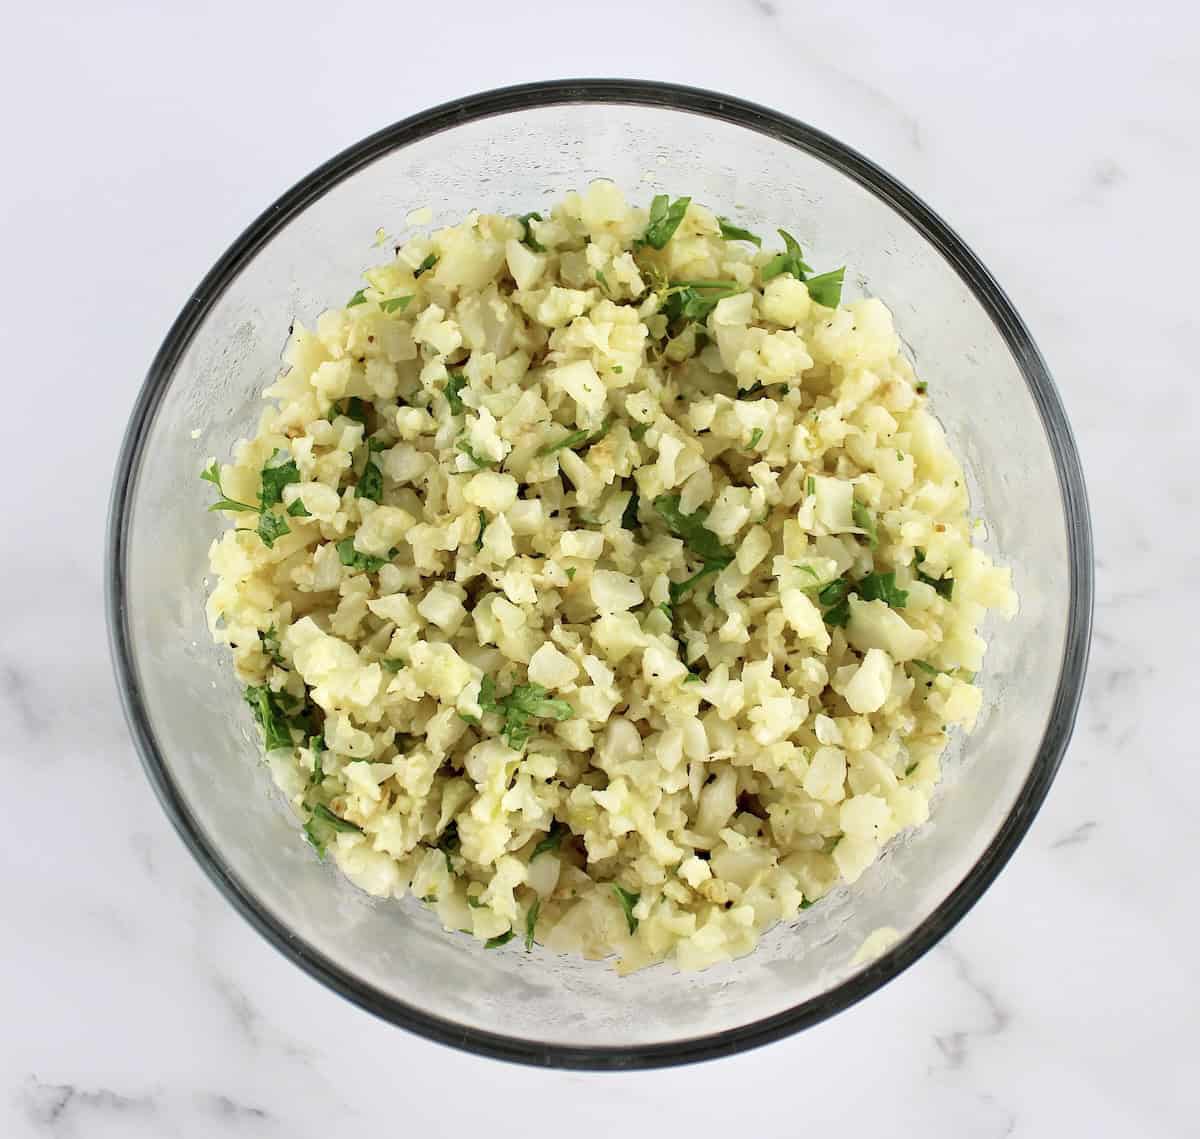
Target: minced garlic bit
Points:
(603, 581)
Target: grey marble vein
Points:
(56, 1109)
(955, 1046)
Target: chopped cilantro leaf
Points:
(359, 298)
(270, 717)
(680, 589)
(629, 516)
(323, 813)
(731, 232)
(531, 923)
(577, 440)
(370, 482)
(627, 901)
(455, 383)
(499, 940)
(271, 646)
(834, 592)
(826, 289)
(791, 260)
(349, 556)
(943, 585)
(570, 571)
(392, 664)
(755, 437)
(551, 842)
(298, 509)
(527, 237)
(279, 471)
(810, 487)
(464, 447)
(665, 217)
(448, 843)
(430, 261)
(690, 528)
(865, 520)
(395, 304)
(212, 474)
(839, 615)
(271, 527)
(882, 587)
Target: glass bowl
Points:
(511, 151)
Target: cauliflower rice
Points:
(602, 581)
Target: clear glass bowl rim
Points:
(986, 291)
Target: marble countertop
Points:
(141, 138)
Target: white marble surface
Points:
(140, 138)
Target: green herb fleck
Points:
(525, 702)
(349, 556)
(430, 261)
(392, 664)
(810, 487)
(395, 304)
(280, 471)
(323, 813)
(448, 843)
(922, 387)
(270, 717)
(826, 289)
(271, 527)
(499, 940)
(791, 260)
(370, 482)
(359, 298)
(464, 447)
(474, 902)
(731, 232)
(551, 842)
(577, 440)
(665, 217)
(638, 431)
(943, 585)
(482, 527)
(271, 646)
(603, 281)
(531, 923)
(865, 520)
(570, 571)
(527, 237)
(628, 901)
(212, 474)
(678, 590)
(298, 509)
(618, 368)
(755, 437)
(690, 528)
(316, 744)
(925, 666)
(629, 516)
(694, 300)
(882, 587)
(455, 383)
